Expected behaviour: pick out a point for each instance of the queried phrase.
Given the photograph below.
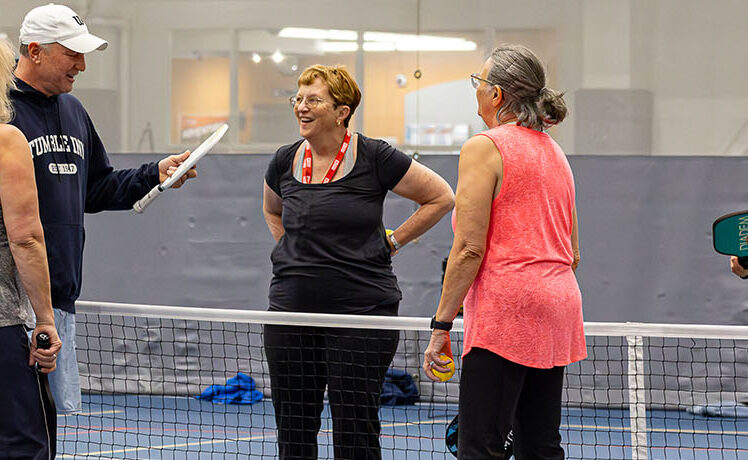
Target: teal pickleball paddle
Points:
(450, 439)
(730, 235)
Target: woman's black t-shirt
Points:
(334, 256)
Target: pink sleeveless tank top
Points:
(525, 304)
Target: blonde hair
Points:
(7, 82)
(340, 84)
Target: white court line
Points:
(424, 422)
(389, 425)
(104, 412)
(217, 441)
(92, 458)
(656, 430)
(166, 446)
(393, 425)
(596, 428)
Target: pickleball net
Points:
(646, 391)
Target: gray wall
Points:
(645, 226)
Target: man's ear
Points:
(35, 49)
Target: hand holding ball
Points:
(444, 376)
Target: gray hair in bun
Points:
(520, 75)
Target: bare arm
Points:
(20, 210)
(431, 192)
(272, 209)
(575, 240)
(480, 173)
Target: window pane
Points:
(200, 78)
(267, 72)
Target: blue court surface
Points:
(157, 427)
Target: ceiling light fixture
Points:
(339, 41)
(318, 34)
(338, 47)
(410, 42)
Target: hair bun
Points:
(552, 106)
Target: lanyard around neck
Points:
(306, 166)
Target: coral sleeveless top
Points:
(525, 304)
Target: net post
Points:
(637, 397)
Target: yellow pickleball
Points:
(444, 376)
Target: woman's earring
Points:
(338, 123)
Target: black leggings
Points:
(351, 363)
(497, 395)
(28, 425)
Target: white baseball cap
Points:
(58, 23)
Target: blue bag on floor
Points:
(238, 390)
(398, 389)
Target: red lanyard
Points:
(306, 166)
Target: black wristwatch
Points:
(441, 325)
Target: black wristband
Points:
(441, 325)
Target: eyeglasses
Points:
(475, 80)
(311, 102)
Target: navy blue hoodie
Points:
(73, 176)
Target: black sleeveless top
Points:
(334, 256)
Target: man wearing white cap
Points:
(59, 24)
(73, 173)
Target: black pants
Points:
(351, 363)
(28, 424)
(497, 395)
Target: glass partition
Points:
(640, 77)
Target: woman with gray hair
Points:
(513, 259)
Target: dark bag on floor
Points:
(398, 389)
